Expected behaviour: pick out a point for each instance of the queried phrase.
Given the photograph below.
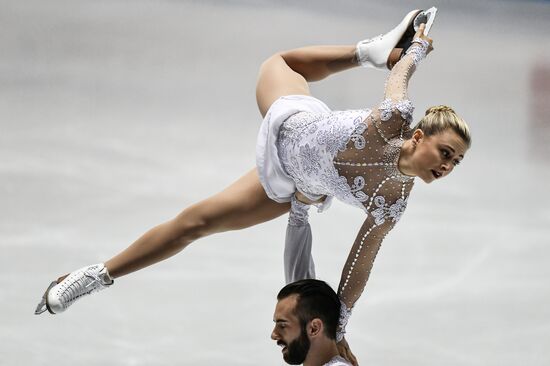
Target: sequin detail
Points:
(384, 210)
(405, 107)
(345, 314)
(418, 50)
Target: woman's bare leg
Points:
(288, 73)
(245, 202)
(241, 205)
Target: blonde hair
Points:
(441, 117)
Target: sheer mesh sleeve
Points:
(358, 267)
(385, 194)
(394, 114)
(360, 260)
(398, 79)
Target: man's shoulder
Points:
(338, 361)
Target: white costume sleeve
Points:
(297, 256)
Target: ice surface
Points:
(115, 115)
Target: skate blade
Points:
(42, 306)
(427, 17)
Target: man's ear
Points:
(315, 328)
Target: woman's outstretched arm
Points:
(359, 263)
(356, 273)
(398, 79)
(394, 114)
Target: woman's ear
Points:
(418, 136)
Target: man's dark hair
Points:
(316, 299)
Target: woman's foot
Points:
(380, 52)
(66, 290)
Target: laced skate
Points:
(375, 52)
(65, 291)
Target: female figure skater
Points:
(308, 154)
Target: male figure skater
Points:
(306, 318)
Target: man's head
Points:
(307, 311)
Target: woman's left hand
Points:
(345, 351)
(420, 34)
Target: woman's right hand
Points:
(345, 351)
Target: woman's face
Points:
(436, 156)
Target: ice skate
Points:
(66, 290)
(377, 52)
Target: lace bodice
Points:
(308, 144)
(353, 155)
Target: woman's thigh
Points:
(277, 79)
(243, 204)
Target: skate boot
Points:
(375, 52)
(66, 290)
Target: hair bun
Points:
(439, 108)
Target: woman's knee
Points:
(272, 61)
(270, 69)
(277, 79)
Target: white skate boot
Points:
(65, 291)
(375, 52)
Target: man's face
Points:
(288, 333)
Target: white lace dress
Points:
(351, 155)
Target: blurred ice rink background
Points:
(115, 115)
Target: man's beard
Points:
(297, 350)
